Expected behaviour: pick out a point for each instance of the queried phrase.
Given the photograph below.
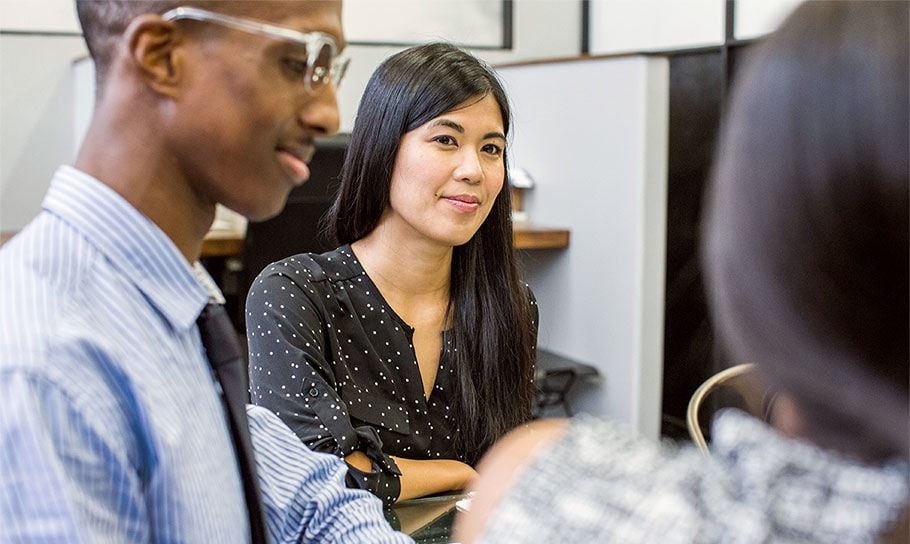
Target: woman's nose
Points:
(469, 169)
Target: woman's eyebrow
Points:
(447, 123)
(494, 134)
(460, 129)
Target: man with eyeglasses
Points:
(119, 412)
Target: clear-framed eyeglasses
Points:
(324, 61)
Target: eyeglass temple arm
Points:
(265, 29)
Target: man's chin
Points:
(265, 215)
(264, 210)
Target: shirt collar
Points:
(215, 296)
(132, 243)
(773, 468)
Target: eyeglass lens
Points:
(324, 64)
(321, 65)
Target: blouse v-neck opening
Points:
(446, 333)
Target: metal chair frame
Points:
(701, 393)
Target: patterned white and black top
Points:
(337, 364)
(601, 483)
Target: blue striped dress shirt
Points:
(110, 427)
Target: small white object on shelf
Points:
(520, 181)
(520, 178)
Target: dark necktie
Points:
(226, 359)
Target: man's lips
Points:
(294, 160)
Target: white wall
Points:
(38, 15)
(36, 109)
(619, 26)
(756, 17)
(477, 22)
(36, 101)
(593, 134)
(541, 29)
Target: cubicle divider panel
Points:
(592, 133)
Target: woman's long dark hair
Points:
(489, 304)
(807, 242)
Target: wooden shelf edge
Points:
(531, 237)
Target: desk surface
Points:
(428, 520)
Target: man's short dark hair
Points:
(104, 22)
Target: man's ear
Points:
(154, 51)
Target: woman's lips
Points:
(463, 203)
(296, 168)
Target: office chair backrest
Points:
(297, 228)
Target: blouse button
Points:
(314, 392)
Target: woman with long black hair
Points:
(409, 349)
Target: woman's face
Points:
(447, 174)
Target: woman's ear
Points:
(154, 47)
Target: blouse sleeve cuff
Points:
(383, 480)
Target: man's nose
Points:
(319, 111)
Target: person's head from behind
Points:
(807, 239)
(232, 93)
(427, 163)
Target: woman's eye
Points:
(295, 66)
(492, 149)
(445, 140)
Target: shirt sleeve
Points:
(304, 492)
(291, 375)
(62, 479)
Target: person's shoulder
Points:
(50, 257)
(309, 268)
(618, 461)
(630, 478)
(48, 275)
(617, 442)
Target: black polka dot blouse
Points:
(334, 361)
